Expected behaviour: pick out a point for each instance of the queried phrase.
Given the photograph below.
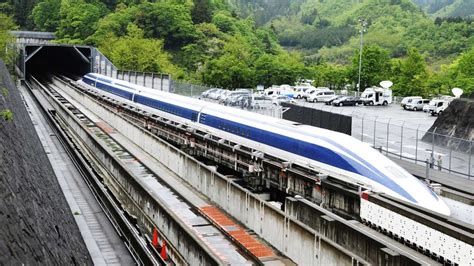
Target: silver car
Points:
(416, 104)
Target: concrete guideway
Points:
(213, 238)
(100, 237)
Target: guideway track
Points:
(196, 223)
(292, 238)
(142, 254)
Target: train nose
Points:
(437, 205)
(442, 207)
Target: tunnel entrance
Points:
(69, 60)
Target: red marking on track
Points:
(105, 127)
(249, 242)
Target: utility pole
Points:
(363, 24)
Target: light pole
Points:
(363, 23)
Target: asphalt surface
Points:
(399, 132)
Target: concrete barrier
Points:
(294, 239)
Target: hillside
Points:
(244, 43)
(328, 30)
(447, 8)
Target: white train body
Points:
(336, 154)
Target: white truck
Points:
(436, 107)
(376, 96)
(277, 91)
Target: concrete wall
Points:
(37, 226)
(294, 239)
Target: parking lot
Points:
(398, 133)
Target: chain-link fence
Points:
(187, 89)
(195, 91)
(395, 138)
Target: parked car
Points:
(261, 101)
(233, 96)
(426, 107)
(283, 99)
(208, 92)
(215, 95)
(347, 101)
(408, 100)
(438, 106)
(330, 100)
(416, 105)
(320, 96)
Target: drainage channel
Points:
(202, 226)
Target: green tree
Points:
(21, 10)
(78, 20)
(463, 72)
(167, 21)
(411, 77)
(375, 66)
(6, 52)
(45, 15)
(224, 22)
(228, 71)
(282, 68)
(134, 52)
(202, 11)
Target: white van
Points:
(376, 96)
(320, 96)
(438, 106)
(300, 91)
(417, 105)
(310, 92)
(407, 100)
(277, 91)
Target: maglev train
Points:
(336, 154)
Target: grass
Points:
(7, 115)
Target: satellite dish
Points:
(457, 92)
(386, 84)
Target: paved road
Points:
(399, 132)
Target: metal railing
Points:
(157, 81)
(104, 66)
(195, 91)
(394, 138)
(187, 89)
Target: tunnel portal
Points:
(47, 59)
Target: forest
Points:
(424, 47)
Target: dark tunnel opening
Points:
(70, 61)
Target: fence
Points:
(147, 79)
(187, 89)
(102, 65)
(195, 91)
(395, 138)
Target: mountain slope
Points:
(447, 8)
(328, 30)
